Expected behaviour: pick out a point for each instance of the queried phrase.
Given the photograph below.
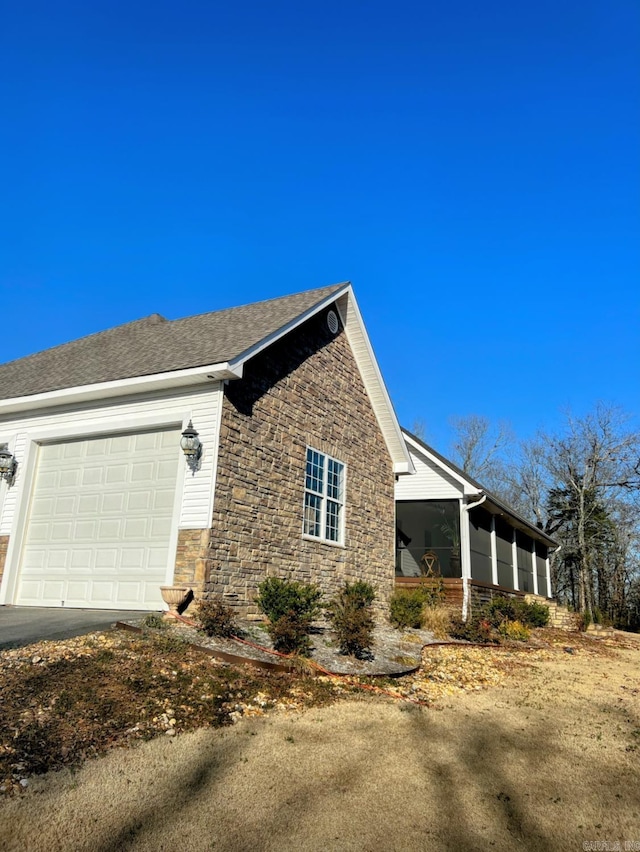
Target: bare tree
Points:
(595, 464)
(479, 447)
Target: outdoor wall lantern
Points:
(8, 464)
(191, 447)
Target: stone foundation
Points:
(4, 546)
(191, 559)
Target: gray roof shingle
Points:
(154, 345)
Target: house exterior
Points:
(449, 525)
(300, 449)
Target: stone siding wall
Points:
(4, 545)
(191, 559)
(305, 390)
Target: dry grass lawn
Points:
(548, 758)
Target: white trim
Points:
(374, 384)
(121, 387)
(252, 351)
(494, 552)
(421, 450)
(548, 573)
(465, 541)
(216, 455)
(325, 500)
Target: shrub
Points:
(217, 619)
(437, 619)
(290, 607)
(535, 615)
(351, 617)
(502, 609)
(406, 608)
(475, 629)
(498, 609)
(514, 630)
(154, 621)
(407, 605)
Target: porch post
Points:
(494, 552)
(465, 558)
(514, 558)
(548, 572)
(534, 565)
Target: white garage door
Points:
(99, 529)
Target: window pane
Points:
(333, 520)
(312, 514)
(335, 478)
(315, 471)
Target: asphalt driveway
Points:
(22, 625)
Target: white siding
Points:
(129, 414)
(429, 482)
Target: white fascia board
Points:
(122, 387)
(468, 488)
(373, 381)
(241, 359)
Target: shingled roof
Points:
(155, 345)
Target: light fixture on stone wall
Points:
(8, 464)
(191, 447)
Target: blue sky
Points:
(473, 169)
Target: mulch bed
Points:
(394, 652)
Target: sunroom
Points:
(448, 526)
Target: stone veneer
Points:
(191, 559)
(304, 390)
(4, 545)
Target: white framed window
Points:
(324, 497)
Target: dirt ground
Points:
(544, 757)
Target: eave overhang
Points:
(122, 387)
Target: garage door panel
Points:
(88, 504)
(164, 472)
(100, 523)
(69, 478)
(77, 590)
(92, 476)
(139, 501)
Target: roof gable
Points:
(155, 345)
(473, 489)
(155, 353)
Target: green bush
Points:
(217, 619)
(502, 609)
(406, 609)
(290, 607)
(351, 617)
(498, 610)
(475, 629)
(535, 615)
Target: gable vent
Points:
(332, 322)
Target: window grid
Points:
(324, 497)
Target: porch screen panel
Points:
(541, 569)
(525, 568)
(480, 536)
(504, 537)
(428, 527)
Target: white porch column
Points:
(514, 559)
(534, 565)
(465, 558)
(494, 552)
(548, 572)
